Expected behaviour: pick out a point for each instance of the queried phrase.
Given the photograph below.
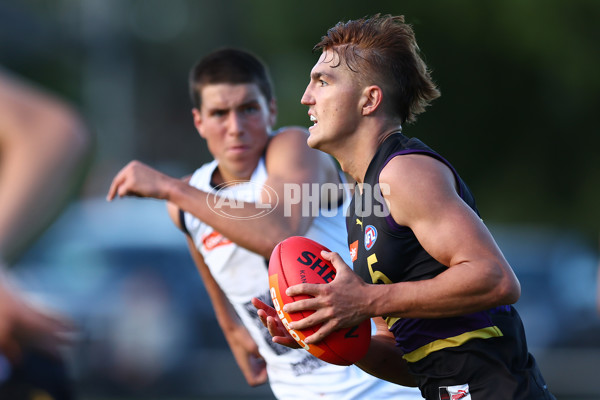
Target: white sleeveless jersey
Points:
(242, 275)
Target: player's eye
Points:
(218, 113)
(251, 109)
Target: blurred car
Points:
(557, 270)
(122, 272)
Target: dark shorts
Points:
(496, 368)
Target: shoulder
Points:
(200, 178)
(173, 210)
(288, 136)
(413, 183)
(288, 145)
(289, 155)
(415, 170)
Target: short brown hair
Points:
(384, 51)
(229, 65)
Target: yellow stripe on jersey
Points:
(391, 321)
(455, 341)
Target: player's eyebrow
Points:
(247, 103)
(315, 76)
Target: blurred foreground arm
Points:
(23, 325)
(44, 149)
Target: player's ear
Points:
(371, 99)
(197, 117)
(272, 112)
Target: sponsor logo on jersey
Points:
(214, 240)
(458, 392)
(354, 250)
(370, 236)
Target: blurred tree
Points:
(519, 85)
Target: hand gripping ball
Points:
(298, 260)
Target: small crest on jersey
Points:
(370, 236)
(354, 250)
(458, 392)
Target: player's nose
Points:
(235, 124)
(307, 98)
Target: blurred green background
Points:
(519, 79)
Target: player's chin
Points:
(313, 139)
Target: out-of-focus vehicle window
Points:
(122, 272)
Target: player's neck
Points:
(221, 176)
(360, 148)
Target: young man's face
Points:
(235, 120)
(332, 95)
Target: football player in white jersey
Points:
(235, 210)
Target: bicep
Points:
(212, 287)
(453, 234)
(428, 202)
(176, 213)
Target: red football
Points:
(298, 260)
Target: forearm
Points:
(459, 290)
(243, 347)
(259, 235)
(384, 361)
(224, 312)
(241, 344)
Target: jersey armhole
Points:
(182, 223)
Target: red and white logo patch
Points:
(215, 239)
(354, 250)
(457, 392)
